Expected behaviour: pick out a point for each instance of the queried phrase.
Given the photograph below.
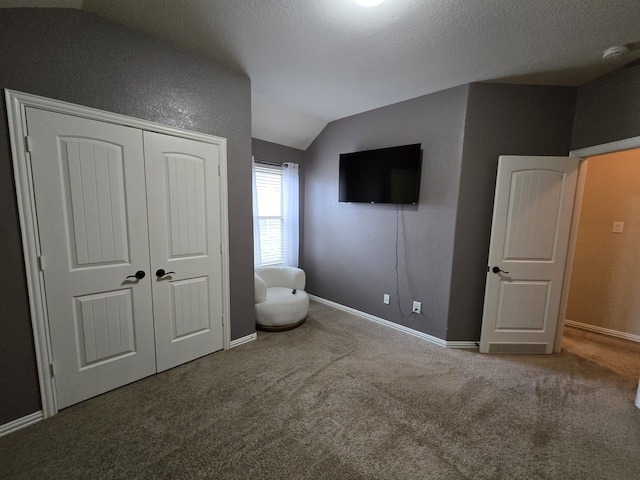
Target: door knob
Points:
(497, 270)
(161, 273)
(139, 275)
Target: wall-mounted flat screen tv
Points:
(385, 175)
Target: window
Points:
(269, 217)
(276, 214)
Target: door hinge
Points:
(220, 248)
(28, 143)
(41, 263)
(218, 169)
(52, 369)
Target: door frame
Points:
(582, 154)
(17, 102)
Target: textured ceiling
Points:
(314, 61)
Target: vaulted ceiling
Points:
(315, 61)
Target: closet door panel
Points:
(183, 186)
(90, 196)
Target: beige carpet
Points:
(344, 398)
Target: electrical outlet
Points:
(386, 299)
(417, 307)
(618, 227)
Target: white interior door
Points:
(527, 254)
(183, 184)
(91, 206)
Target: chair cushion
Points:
(282, 307)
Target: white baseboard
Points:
(462, 344)
(395, 326)
(604, 331)
(23, 422)
(242, 340)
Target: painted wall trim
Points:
(626, 144)
(20, 423)
(571, 253)
(463, 344)
(17, 102)
(242, 340)
(604, 331)
(401, 328)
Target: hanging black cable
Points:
(412, 314)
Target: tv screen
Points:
(385, 175)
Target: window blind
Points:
(270, 220)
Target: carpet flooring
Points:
(344, 398)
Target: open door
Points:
(527, 254)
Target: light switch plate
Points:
(618, 227)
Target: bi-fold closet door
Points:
(129, 227)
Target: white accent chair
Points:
(278, 308)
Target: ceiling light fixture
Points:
(368, 3)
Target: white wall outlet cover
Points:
(386, 298)
(618, 227)
(417, 307)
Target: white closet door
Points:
(91, 207)
(183, 185)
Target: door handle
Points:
(497, 270)
(139, 275)
(161, 273)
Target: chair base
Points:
(279, 328)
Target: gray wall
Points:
(608, 109)
(275, 153)
(77, 57)
(350, 248)
(272, 152)
(501, 120)
(443, 241)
